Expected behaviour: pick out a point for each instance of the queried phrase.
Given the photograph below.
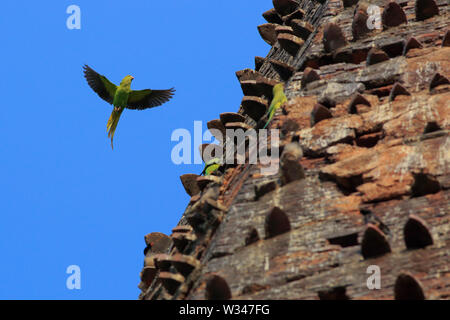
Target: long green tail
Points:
(112, 123)
(271, 112)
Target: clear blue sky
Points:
(66, 197)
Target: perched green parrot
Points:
(211, 166)
(123, 97)
(278, 99)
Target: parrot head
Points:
(127, 80)
(278, 87)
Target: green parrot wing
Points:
(143, 99)
(100, 84)
(211, 169)
(277, 101)
(211, 166)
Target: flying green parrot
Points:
(278, 99)
(211, 166)
(123, 97)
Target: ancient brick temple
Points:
(362, 189)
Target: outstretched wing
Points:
(100, 84)
(143, 99)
